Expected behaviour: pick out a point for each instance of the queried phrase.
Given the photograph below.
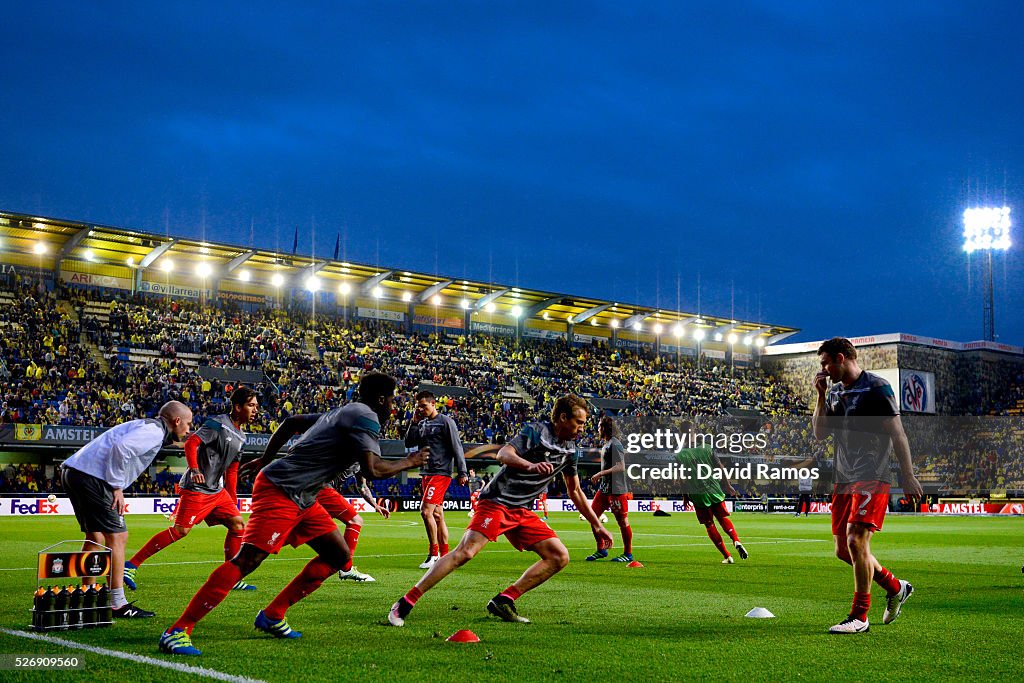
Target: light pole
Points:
(987, 229)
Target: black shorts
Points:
(93, 502)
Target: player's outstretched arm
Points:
(378, 468)
(726, 484)
(364, 490)
(508, 456)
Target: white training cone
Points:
(760, 613)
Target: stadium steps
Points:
(520, 392)
(97, 355)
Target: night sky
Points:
(808, 163)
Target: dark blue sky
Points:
(813, 160)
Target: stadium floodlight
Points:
(547, 316)
(436, 299)
(698, 334)
(277, 280)
(759, 342)
(243, 275)
(344, 288)
(203, 270)
(614, 323)
(593, 321)
(167, 265)
(987, 228)
(130, 261)
(718, 336)
(312, 283)
(89, 255)
(406, 297)
(732, 338)
(637, 326)
(465, 304)
(39, 248)
(516, 311)
(490, 307)
(377, 292)
(747, 340)
(658, 329)
(678, 331)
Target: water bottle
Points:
(76, 607)
(106, 613)
(38, 609)
(49, 616)
(60, 608)
(89, 607)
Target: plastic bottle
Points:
(60, 608)
(89, 606)
(49, 616)
(76, 607)
(106, 613)
(38, 609)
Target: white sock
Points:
(117, 600)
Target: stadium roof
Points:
(136, 250)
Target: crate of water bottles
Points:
(68, 593)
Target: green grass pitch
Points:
(681, 617)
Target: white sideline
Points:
(140, 659)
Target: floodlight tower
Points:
(987, 229)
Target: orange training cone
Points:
(464, 636)
(635, 564)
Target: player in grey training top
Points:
(529, 462)
(285, 511)
(613, 489)
(861, 412)
(438, 433)
(95, 478)
(208, 488)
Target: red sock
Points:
(351, 540)
(729, 529)
(413, 595)
(232, 544)
(885, 579)
(861, 604)
(211, 594)
(512, 593)
(434, 550)
(627, 539)
(444, 549)
(716, 538)
(308, 580)
(154, 545)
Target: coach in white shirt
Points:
(95, 478)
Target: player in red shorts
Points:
(339, 507)
(529, 462)
(284, 508)
(708, 496)
(860, 410)
(613, 490)
(208, 489)
(440, 435)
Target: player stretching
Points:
(861, 412)
(284, 509)
(529, 462)
(337, 505)
(708, 497)
(208, 489)
(440, 435)
(613, 489)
